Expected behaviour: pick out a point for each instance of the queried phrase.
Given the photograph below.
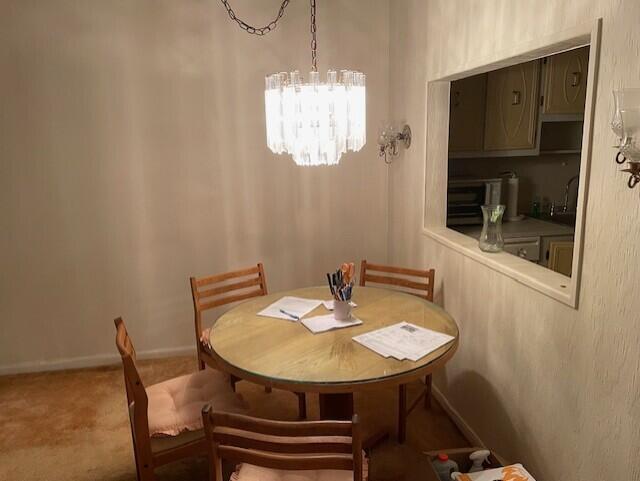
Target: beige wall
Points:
(553, 387)
(133, 154)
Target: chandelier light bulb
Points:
(316, 122)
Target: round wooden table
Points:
(286, 355)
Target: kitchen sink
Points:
(564, 218)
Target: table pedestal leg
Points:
(336, 406)
(340, 407)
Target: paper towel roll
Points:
(512, 199)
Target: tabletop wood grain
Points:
(285, 354)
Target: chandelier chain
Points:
(255, 30)
(314, 43)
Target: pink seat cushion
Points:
(175, 405)
(249, 472)
(204, 338)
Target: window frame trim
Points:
(555, 285)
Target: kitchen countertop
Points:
(527, 227)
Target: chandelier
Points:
(314, 121)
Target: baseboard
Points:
(91, 361)
(458, 420)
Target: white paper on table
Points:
(297, 306)
(329, 304)
(327, 322)
(403, 341)
(375, 340)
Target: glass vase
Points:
(491, 237)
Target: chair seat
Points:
(249, 472)
(175, 405)
(162, 442)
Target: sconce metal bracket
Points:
(405, 136)
(388, 143)
(633, 168)
(634, 171)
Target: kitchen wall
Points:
(540, 382)
(133, 155)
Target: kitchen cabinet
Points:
(466, 114)
(512, 107)
(557, 253)
(524, 247)
(565, 82)
(561, 257)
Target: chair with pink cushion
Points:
(266, 450)
(166, 418)
(219, 290)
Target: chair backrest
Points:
(137, 401)
(286, 445)
(423, 289)
(209, 292)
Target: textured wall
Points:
(553, 387)
(133, 154)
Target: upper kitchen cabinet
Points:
(512, 106)
(467, 112)
(565, 82)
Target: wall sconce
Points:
(625, 123)
(388, 140)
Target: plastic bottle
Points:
(535, 208)
(444, 466)
(478, 458)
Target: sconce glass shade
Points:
(630, 145)
(386, 134)
(616, 118)
(623, 99)
(315, 122)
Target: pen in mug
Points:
(333, 291)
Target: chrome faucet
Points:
(565, 205)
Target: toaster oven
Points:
(465, 197)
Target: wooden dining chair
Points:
(270, 450)
(218, 290)
(165, 418)
(226, 288)
(413, 281)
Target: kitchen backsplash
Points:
(542, 177)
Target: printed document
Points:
(403, 341)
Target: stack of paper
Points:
(327, 323)
(403, 341)
(290, 308)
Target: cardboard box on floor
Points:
(461, 456)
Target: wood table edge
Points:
(337, 387)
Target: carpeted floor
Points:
(73, 426)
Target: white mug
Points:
(341, 310)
